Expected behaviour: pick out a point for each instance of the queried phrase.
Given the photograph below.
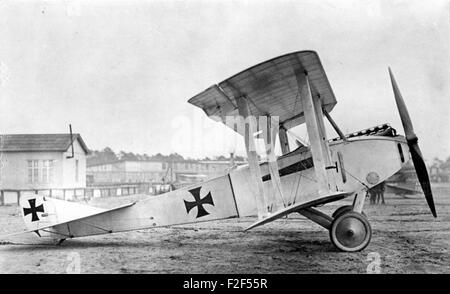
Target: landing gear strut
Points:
(350, 231)
(60, 241)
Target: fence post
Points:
(2, 198)
(64, 194)
(18, 197)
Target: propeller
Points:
(411, 138)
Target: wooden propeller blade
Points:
(422, 174)
(411, 138)
(403, 111)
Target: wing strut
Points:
(270, 130)
(284, 143)
(317, 136)
(267, 200)
(250, 125)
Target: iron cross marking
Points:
(199, 202)
(33, 210)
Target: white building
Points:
(42, 161)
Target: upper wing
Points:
(272, 89)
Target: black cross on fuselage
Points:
(33, 210)
(199, 202)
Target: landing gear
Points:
(350, 231)
(343, 209)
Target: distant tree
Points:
(175, 157)
(107, 154)
(239, 158)
(221, 157)
(158, 157)
(121, 154)
(130, 156)
(437, 161)
(100, 157)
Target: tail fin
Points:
(40, 212)
(37, 212)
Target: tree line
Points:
(108, 155)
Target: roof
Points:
(272, 89)
(39, 142)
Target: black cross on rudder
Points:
(199, 202)
(33, 210)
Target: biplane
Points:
(403, 183)
(264, 102)
(402, 189)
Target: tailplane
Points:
(41, 212)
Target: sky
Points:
(121, 72)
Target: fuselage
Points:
(357, 164)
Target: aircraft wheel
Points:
(343, 209)
(350, 232)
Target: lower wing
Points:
(295, 207)
(401, 189)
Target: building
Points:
(127, 171)
(156, 170)
(42, 161)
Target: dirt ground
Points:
(406, 239)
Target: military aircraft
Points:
(265, 101)
(404, 183)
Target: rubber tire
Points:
(337, 221)
(344, 209)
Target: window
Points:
(30, 171)
(76, 170)
(47, 171)
(50, 171)
(33, 171)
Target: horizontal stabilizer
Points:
(41, 212)
(3, 237)
(98, 213)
